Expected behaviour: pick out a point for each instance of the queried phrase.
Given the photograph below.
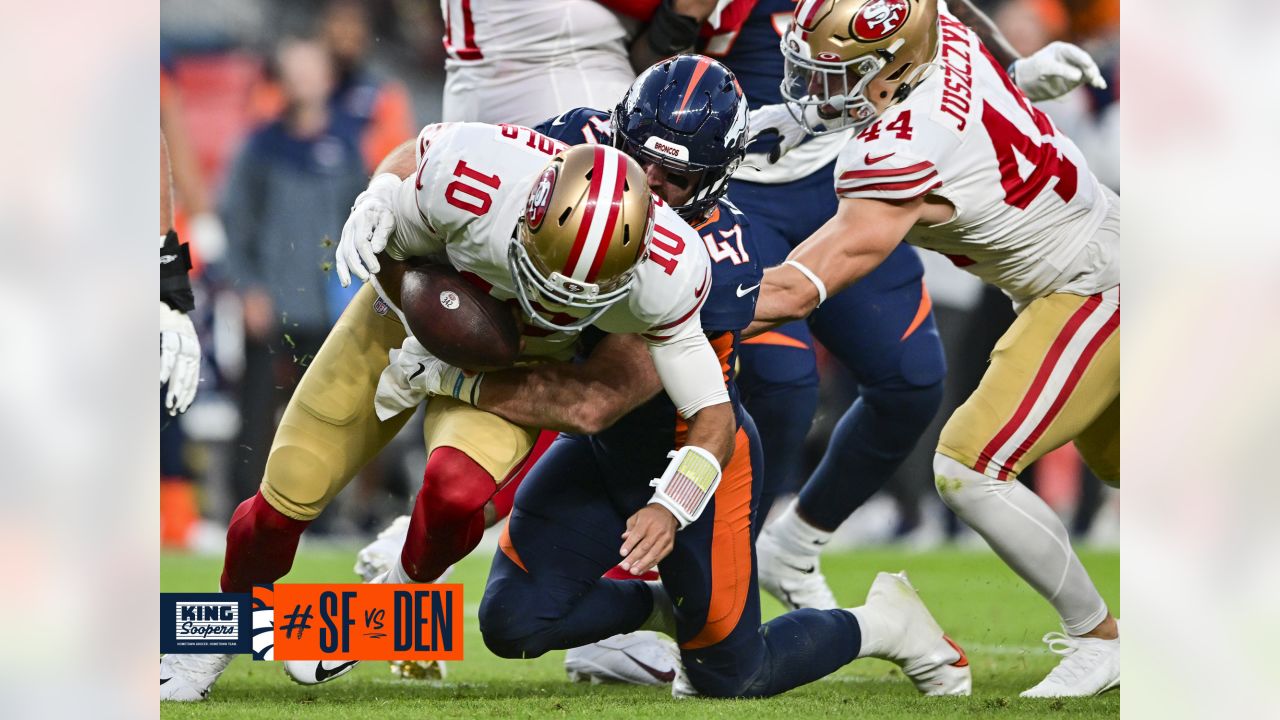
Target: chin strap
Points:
(688, 483)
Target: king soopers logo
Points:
(880, 19)
(202, 620)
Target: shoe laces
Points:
(1074, 663)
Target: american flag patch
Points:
(691, 481)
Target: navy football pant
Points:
(882, 329)
(545, 590)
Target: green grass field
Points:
(979, 601)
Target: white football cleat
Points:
(795, 580)
(187, 678)
(914, 640)
(1089, 666)
(376, 557)
(639, 658)
(314, 672)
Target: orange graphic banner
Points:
(368, 622)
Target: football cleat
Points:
(187, 678)
(1089, 666)
(376, 559)
(795, 580)
(314, 672)
(916, 643)
(426, 670)
(638, 658)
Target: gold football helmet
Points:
(585, 227)
(835, 48)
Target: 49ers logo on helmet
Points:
(880, 18)
(540, 198)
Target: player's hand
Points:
(1054, 70)
(412, 375)
(179, 359)
(367, 230)
(650, 536)
(781, 121)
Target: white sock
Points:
(796, 535)
(394, 576)
(875, 632)
(663, 617)
(1027, 535)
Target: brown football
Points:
(457, 321)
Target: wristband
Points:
(466, 387)
(813, 278)
(688, 483)
(175, 285)
(670, 32)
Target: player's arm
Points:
(179, 344)
(673, 29)
(584, 398)
(1050, 72)
(848, 246)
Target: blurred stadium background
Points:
(311, 94)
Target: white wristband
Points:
(813, 278)
(688, 483)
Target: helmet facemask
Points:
(539, 293)
(829, 97)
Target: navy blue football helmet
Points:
(688, 114)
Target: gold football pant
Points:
(1054, 377)
(330, 430)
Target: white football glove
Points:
(179, 359)
(777, 120)
(412, 375)
(1054, 70)
(367, 229)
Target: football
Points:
(457, 321)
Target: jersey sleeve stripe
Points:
(887, 172)
(928, 181)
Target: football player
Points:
(950, 155)
(179, 344)
(564, 235)
(520, 62)
(685, 120)
(882, 329)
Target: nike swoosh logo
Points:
(559, 120)
(665, 676)
(165, 680)
(744, 292)
(322, 674)
(166, 259)
(872, 161)
(806, 571)
(421, 369)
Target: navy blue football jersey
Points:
(729, 309)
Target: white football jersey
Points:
(478, 31)
(462, 204)
(1029, 215)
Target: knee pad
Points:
(454, 487)
(959, 485)
(297, 482)
(506, 623)
(915, 405)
